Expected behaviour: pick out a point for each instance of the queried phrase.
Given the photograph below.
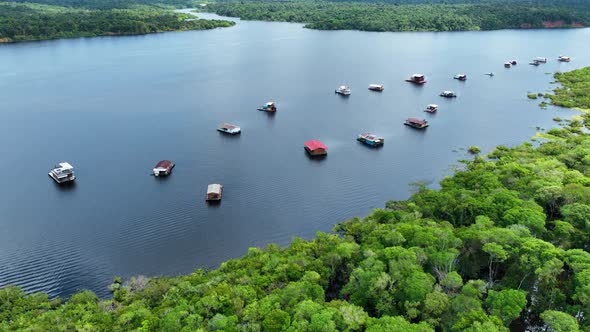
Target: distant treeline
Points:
(20, 22)
(115, 4)
(369, 16)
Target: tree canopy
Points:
(410, 15)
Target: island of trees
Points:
(503, 244)
(33, 21)
(413, 15)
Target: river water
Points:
(114, 106)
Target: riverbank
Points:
(502, 243)
(30, 21)
(405, 17)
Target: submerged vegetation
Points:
(574, 90)
(408, 16)
(503, 243)
(474, 149)
(28, 21)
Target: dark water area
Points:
(114, 106)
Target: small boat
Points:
(507, 64)
(448, 94)
(432, 108)
(268, 107)
(461, 77)
(416, 123)
(62, 172)
(489, 74)
(315, 148)
(534, 63)
(513, 62)
(370, 139)
(229, 129)
(163, 168)
(563, 58)
(417, 79)
(540, 60)
(376, 87)
(214, 192)
(343, 90)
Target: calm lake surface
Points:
(114, 106)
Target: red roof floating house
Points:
(416, 123)
(417, 79)
(163, 168)
(315, 148)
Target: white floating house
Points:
(62, 172)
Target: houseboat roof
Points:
(228, 126)
(214, 188)
(433, 105)
(417, 121)
(375, 85)
(65, 165)
(370, 136)
(313, 145)
(164, 164)
(418, 75)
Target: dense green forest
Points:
(391, 17)
(503, 244)
(49, 19)
(27, 21)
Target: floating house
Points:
(432, 108)
(540, 60)
(229, 129)
(214, 192)
(376, 87)
(461, 77)
(371, 139)
(534, 63)
(163, 168)
(448, 94)
(268, 107)
(507, 64)
(563, 58)
(343, 90)
(416, 123)
(62, 173)
(417, 79)
(315, 148)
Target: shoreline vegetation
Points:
(409, 15)
(574, 91)
(32, 21)
(502, 245)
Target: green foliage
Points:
(558, 321)
(574, 90)
(532, 96)
(474, 149)
(406, 15)
(20, 22)
(506, 304)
